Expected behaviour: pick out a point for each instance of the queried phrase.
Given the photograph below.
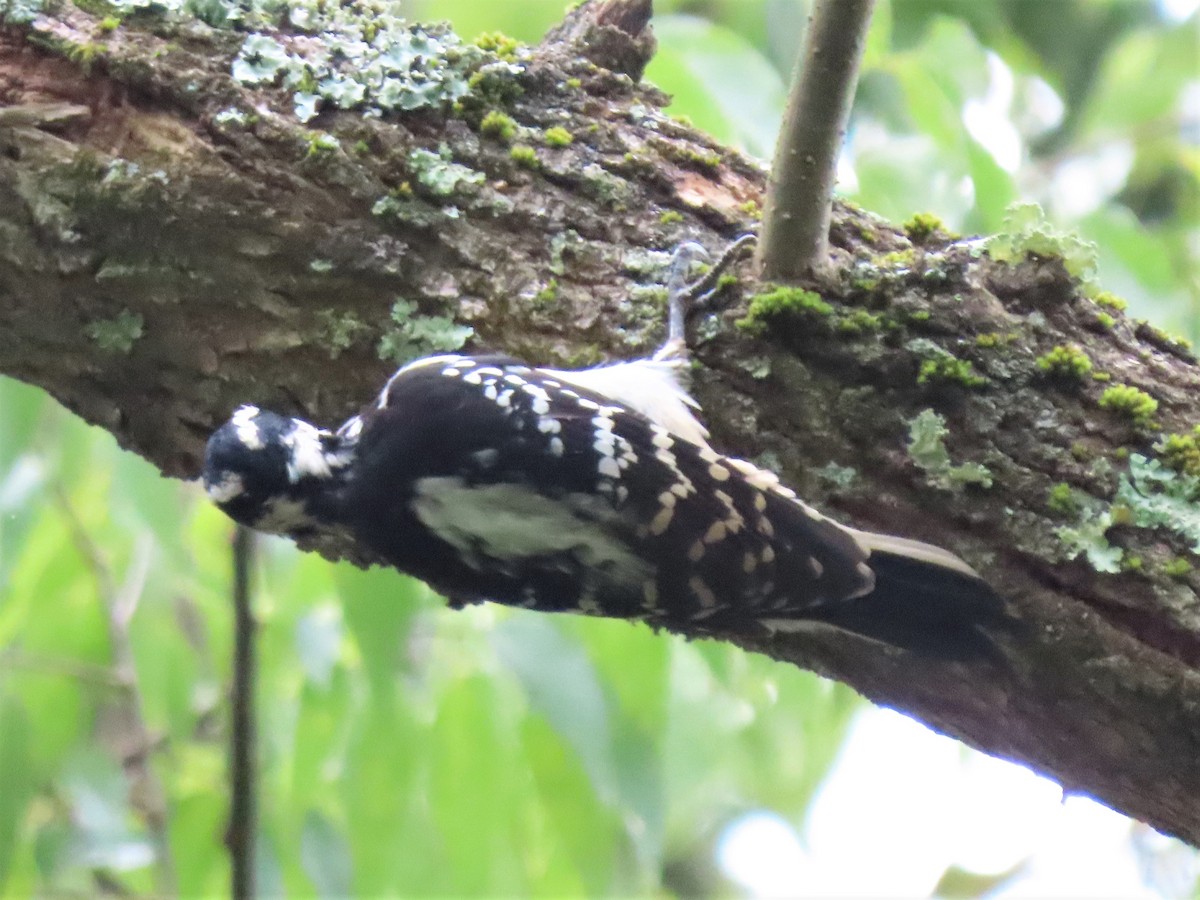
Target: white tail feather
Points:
(926, 553)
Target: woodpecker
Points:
(593, 491)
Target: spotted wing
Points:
(493, 480)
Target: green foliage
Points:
(1129, 401)
(372, 59)
(838, 476)
(18, 12)
(341, 330)
(1088, 537)
(1063, 499)
(417, 335)
(321, 145)
(404, 748)
(724, 84)
(548, 294)
(859, 322)
(1110, 301)
(1066, 362)
(498, 43)
(118, 334)
(1149, 495)
(949, 370)
(557, 136)
(1181, 452)
(1027, 230)
(940, 366)
(1178, 568)
(1154, 496)
(927, 448)
(524, 156)
(498, 125)
(670, 217)
(260, 60)
(921, 226)
(782, 303)
(439, 176)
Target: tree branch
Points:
(164, 263)
(799, 207)
(243, 789)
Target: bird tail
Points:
(926, 600)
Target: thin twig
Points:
(14, 659)
(799, 202)
(120, 603)
(243, 809)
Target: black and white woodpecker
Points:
(592, 491)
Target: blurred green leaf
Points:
(17, 778)
(21, 408)
(561, 684)
(387, 808)
(196, 824)
(380, 606)
(962, 884)
(476, 788)
(580, 833)
(527, 20)
(994, 190)
(719, 81)
(318, 643)
(326, 856)
(1140, 80)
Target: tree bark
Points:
(161, 264)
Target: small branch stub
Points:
(795, 239)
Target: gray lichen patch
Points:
(118, 334)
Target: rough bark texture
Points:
(159, 267)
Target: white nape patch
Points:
(306, 454)
(922, 552)
(652, 387)
(513, 522)
(247, 430)
(229, 486)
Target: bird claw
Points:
(684, 297)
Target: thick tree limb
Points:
(236, 263)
